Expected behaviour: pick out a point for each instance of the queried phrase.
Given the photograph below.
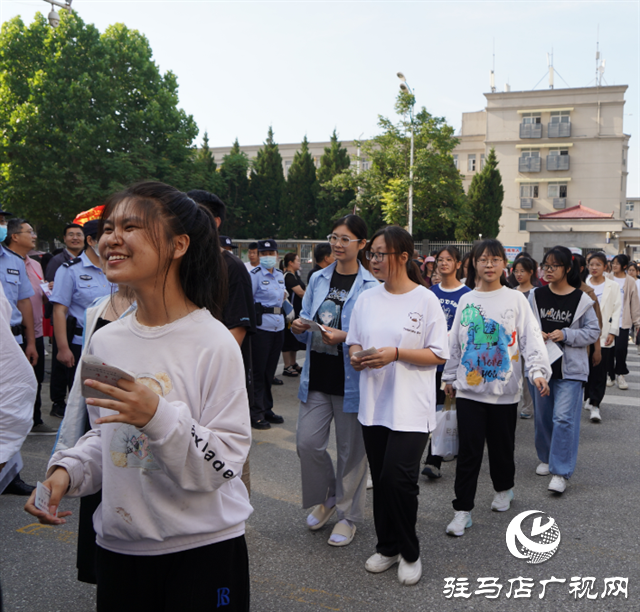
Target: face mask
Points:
(95, 249)
(268, 262)
(3, 232)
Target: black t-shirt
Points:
(556, 312)
(239, 311)
(292, 280)
(326, 372)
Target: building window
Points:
(471, 162)
(481, 161)
(529, 190)
(557, 190)
(531, 118)
(365, 165)
(455, 162)
(629, 222)
(624, 160)
(530, 153)
(287, 166)
(558, 151)
(524, 217)
(560, 117)
(630, 207)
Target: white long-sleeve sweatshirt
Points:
(491, 333)
(173, 484)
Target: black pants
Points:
(596, 385)
(265, 353)
(201, 579)
(436, 460)
(477, 422)
(618, 363)
(58, 383)
(38, 370)
(394, 458)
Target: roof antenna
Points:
(493, 71)
(599, 64)
(550, 65)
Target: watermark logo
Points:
(543, 541)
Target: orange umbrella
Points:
(89, 215)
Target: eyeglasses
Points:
(442, 261)
(550, 267)
(27, 232)
(343, 240)
(377, 256)
(494, 261)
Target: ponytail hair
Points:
(399, 241)
(562, 256)
(288, 258)
(623, 261)
(164, 213)
(357, 226)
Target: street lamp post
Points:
(404, 86)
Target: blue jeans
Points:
(557, 418)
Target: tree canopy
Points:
(82, 115)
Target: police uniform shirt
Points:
(239, 311)
(268, 290)
(15, 282)
(77, 284)
(55, 262)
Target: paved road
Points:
(294, 569)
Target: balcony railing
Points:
(559, 202)
(529, 164)
(557, 162)
(526, 202)
(531, 130)
(558, 130)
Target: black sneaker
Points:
(57, 410)
(273, 418)
(18, 487)
(431, 472)
(260, 425)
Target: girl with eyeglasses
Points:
(404, 324)
(568, 319)
(329, 388)
(493, 331)
(167, 448)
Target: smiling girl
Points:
(167, 448)
(403, 320)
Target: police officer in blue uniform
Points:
(77, 284)
(268, 295)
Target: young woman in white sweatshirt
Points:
(494, 329)
(167, 449)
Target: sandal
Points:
(297, 368)
(322, 514)
(290, 371)
(345, 531)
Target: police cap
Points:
(226, 243)
(90, 228)
(267, 245)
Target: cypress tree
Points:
(234, 171)
(333, 200)
(266, 190)
(204, 174)
(298, 207)
(483, 207)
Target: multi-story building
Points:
(556, 148)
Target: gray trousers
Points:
(348, 483)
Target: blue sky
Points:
(307, 67)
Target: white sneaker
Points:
(558, 484)
(461, 521)
(542, 469)
(595, 415)
(622, 383)
(409, 573)
(379, 563)
(502, 501)
(610, 382)
(586, 405)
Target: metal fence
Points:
(426, 247)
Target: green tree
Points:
(334, 200)
(83, 114)
(383, 189)
(298, 206)
(266, 190)
(204, 174)
(234, 171)
(482, 211)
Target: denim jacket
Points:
(315, 295)
(583, 331)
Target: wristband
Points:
(397, 353)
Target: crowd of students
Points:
(167, 454)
